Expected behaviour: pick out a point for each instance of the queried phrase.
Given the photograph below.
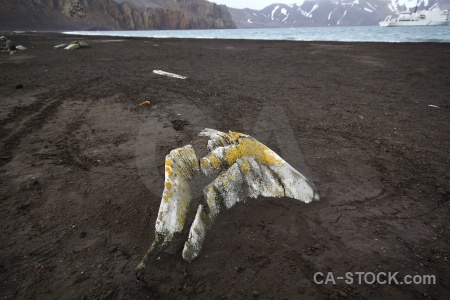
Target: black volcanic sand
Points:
(81, 167)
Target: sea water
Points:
(439, 34)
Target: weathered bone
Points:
(244, 164)
(180, 167)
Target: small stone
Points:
(112, 249)
(342, 294)
(255, 294)
(108, 294)
(83, 234)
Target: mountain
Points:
(327, 12)
(112, 15)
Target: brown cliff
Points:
(112, 15)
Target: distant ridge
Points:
(327, 12)
(112, 15)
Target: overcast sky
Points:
(254, 4)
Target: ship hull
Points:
(432, 17)
(413, 23)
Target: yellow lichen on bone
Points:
(181, 165)
(247, 169)
(214, 161)
(234, 136)
(168, 170)
(251, 148)
(211, 200)
(165, 198)
(235, 145)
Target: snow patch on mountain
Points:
(340, 20)
(316, 6)
(284, 12)
(329, 16)
(274, 11)
(400, 5)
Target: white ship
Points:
(432, 17)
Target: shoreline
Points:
(407, 37)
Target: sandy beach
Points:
(82, 167)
